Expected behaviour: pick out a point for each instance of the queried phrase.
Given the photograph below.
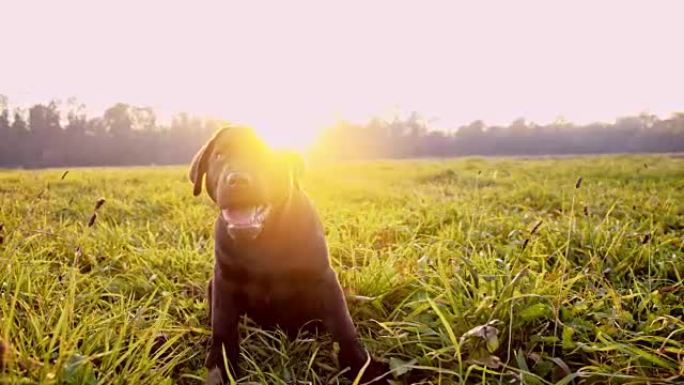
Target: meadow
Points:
(473, 271)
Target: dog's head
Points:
(245, 178)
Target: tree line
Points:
(61, 134)
(412, 137)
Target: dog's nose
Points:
(237, 179)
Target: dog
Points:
(271, 257)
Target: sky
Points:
(290, 68)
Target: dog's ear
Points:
(200, 163)
(297, 166)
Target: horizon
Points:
(289, 75)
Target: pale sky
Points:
(294, 66)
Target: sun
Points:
(298, 140)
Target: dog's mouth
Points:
(245, 221)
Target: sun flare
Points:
(287, 139)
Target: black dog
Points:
(271, 258)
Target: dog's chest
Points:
(265, 290)
(261, 292)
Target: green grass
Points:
(428, 251)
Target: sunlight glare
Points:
(298, 140)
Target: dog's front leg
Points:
(225, 313)
(339, 323)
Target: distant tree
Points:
(4, 117)
(518, 127)
(77, 120)
(5, 134)
(17, 141)
(416, 125)
(629, 124)
(180, 122)
(44, 120)
(561, 123)
(96, 127)
(143, 118)
(4, 121)
(648, 120)
(475, 128)
(118, 120)
(19, 125)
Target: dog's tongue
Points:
(239, 216)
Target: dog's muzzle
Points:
(245, 223)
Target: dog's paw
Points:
(377, 373)
(214, 377)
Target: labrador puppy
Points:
(271, 257)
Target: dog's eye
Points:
(218, 156)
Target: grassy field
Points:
(461, 271)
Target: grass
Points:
(459, 271)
